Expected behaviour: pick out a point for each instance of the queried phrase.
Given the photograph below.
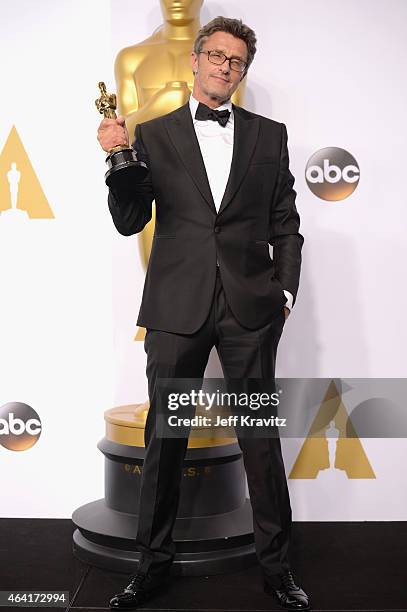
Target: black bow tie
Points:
(203, 113)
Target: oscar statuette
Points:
(123, 166)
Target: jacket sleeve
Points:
(284, 225)
(130, 207)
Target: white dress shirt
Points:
(216, 144)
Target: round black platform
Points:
(205, 545)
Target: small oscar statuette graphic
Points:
(123, 165)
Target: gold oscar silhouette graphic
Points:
(214, 521)
(316, 456)
(20, 190)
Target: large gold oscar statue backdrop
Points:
(154, 77)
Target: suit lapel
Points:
(182, 134)
(244, 141)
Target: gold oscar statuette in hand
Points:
(123, 166)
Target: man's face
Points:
(211, 80)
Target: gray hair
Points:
(232, 26)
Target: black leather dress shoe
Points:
(140, 589)
(288, 594)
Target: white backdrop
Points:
(333, 73)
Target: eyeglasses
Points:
(218, 58)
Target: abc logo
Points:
(20, 426)
(332, 174)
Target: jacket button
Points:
(217, 229)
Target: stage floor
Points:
(342, 566)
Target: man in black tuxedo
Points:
(220, 178)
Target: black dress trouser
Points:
(243, 353)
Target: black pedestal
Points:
(213, 531)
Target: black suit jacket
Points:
(258, 208)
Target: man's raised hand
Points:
(112, 133)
